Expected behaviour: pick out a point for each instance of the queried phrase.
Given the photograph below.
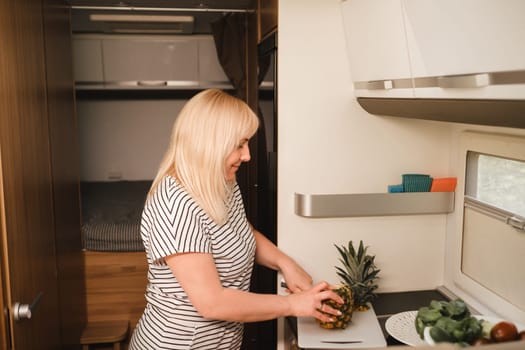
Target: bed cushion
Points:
(111, 213)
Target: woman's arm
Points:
(198, 277)
(267, 254)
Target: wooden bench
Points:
(104, 332)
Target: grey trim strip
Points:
(373, 204)
(494, 212)
(150, 85)
(155, 83)
(475, 80)
(384, 84)
(158, 9)
(464, 81)
(508, 113)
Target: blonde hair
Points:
(208, 128)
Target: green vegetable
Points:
(439, 335)
(457, 309)
(428, 315)
(449, 322)
(486, 326)
(420, 327)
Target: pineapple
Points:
(359, 273)
(340, 322)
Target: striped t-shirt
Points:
(172, 222)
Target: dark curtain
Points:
(229, 33)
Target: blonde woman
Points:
(200, 246)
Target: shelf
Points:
(373, 204)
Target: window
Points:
(491, 233)
(496, 181)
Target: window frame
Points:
(479, 296)
(503, 214)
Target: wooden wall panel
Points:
(63, 135)
(115, 286)
(267, 11)
(29, 265)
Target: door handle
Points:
(25, 311)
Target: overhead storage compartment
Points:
(376, 45)
(471, 51)
(146, 62)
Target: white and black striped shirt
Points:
(172, 222)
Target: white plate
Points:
(402, 327)
(492, 320)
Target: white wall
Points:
(124, 136)
(329, 144)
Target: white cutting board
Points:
(364, 326)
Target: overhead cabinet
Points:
(128, 62)
(376, 45)
(87, 57)
(469, 49)
(150, 60)
(472, 48)
(210, 70)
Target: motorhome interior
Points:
(132, 79)
(368, 92)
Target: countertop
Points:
(388, 304)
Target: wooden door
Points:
(63, 135)
(28, 240)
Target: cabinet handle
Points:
(380, 85)
(516, 222)
(152, 83)
(464, 81)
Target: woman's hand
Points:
(309, 303)
(296, 278)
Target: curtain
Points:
(231, 39)
(230, 36)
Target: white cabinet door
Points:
(87, 60)
(376, 45)
(210, 70)
(470, 38)
(448, 37)
(149, 60)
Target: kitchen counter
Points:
(388, 304)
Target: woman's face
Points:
(240, 154)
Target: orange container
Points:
(444, 184)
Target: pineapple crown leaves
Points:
(358, 271)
